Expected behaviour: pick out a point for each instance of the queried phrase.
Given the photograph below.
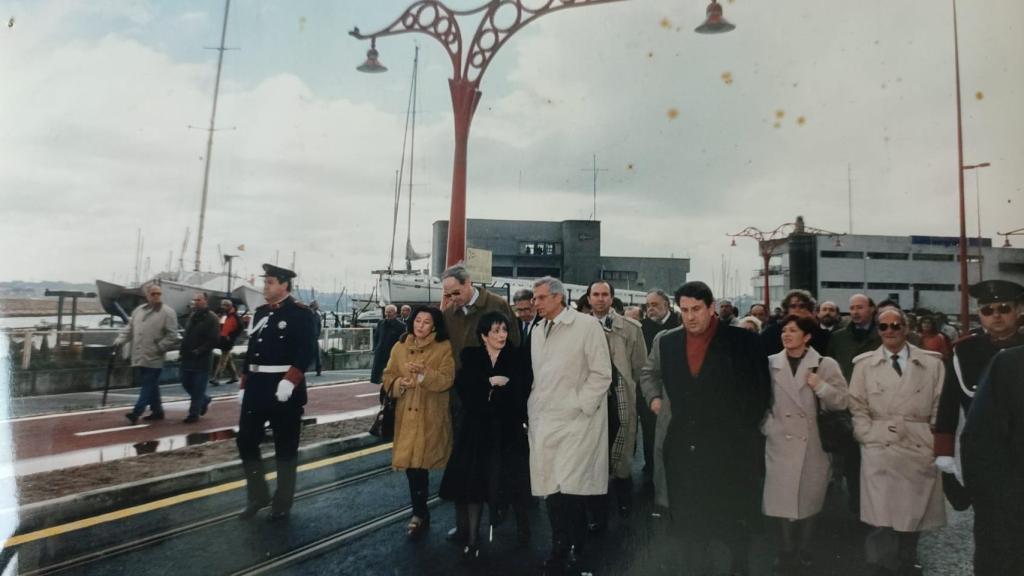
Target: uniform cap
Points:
(997, 291)
(277, 272)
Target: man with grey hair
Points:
(152, 331)
(659, 318)
(522, 304)
(387, 334)
(463, 306)
(572, 372)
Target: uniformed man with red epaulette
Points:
(273, 390)
(998, 312)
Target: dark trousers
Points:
(194, 382)
(567, 514)
(851, 471)
(148, 380)
(419, 487)
(259, 407)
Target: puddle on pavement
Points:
(128, 450)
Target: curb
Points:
(40, 515)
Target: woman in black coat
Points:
(491, 454)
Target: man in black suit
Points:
(522, 303)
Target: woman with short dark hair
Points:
(490, 456)
(419, 375)
(797, 467)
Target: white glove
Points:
(284, 390)
(498, 380)
(241, 393)
(946, 464)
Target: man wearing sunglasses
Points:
(998, 310)
(893, 397)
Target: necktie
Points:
(547, 327)
(896, 364)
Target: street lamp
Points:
(977, 195)
(769, 242)
(500, 19)
(228, 259)
(1006, 236)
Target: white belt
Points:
(268, 369)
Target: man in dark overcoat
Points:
(716, 378)
(273, 389)
(388, 333)
(992, 448)
(658, 317)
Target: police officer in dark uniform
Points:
(998, 313)
(992, 448)
(273, 389)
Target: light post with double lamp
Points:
(977, 196)
(500, 20)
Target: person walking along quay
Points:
(152, 331)
(273, 389)
(488, 461)
(797, 467)
(202, 331)
(572, 372)
(717, 380)
(419, 375)
(230, 329)
(894, 400)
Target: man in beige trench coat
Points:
(894, 399)
(568, 410)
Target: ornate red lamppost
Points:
(499, 21)
(769, 242)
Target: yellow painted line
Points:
(175, 500)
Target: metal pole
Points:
(465, 97)
(965, 318)
(977, 196)
(209, 136)
(767, 255)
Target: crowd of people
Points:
(740, 418)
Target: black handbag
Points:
(383, 425)
(835, 428)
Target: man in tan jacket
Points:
(152, 331)
(894, 400)
(464, 305)
(628, 354)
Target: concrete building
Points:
(916, 271)
(569, 250)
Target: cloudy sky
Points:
(699, 135)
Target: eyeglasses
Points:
(988, 310)
(895, 326)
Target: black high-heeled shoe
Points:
(416, 527)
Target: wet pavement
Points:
(61, 440)
(222, 544)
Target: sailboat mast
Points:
(412, 154)
(394, 223)
(209, 136)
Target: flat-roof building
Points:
(915, 271)
(569, 250)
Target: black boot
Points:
(285, 492)
(256, 488)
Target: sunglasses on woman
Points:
(988, 309)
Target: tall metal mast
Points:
(209, 137)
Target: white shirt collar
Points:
(560, 319)
(665, 318)
(903, 356)
(472, 301)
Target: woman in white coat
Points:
(797, 468)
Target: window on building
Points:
(843, 285)
(973, 258)
(936, 287)
(501, 271)
(888, 256)
(1017, 267)
(620, 275)
(924, 256)
(539, 271)
(842, 254)
(540, 248)
(888, 286)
